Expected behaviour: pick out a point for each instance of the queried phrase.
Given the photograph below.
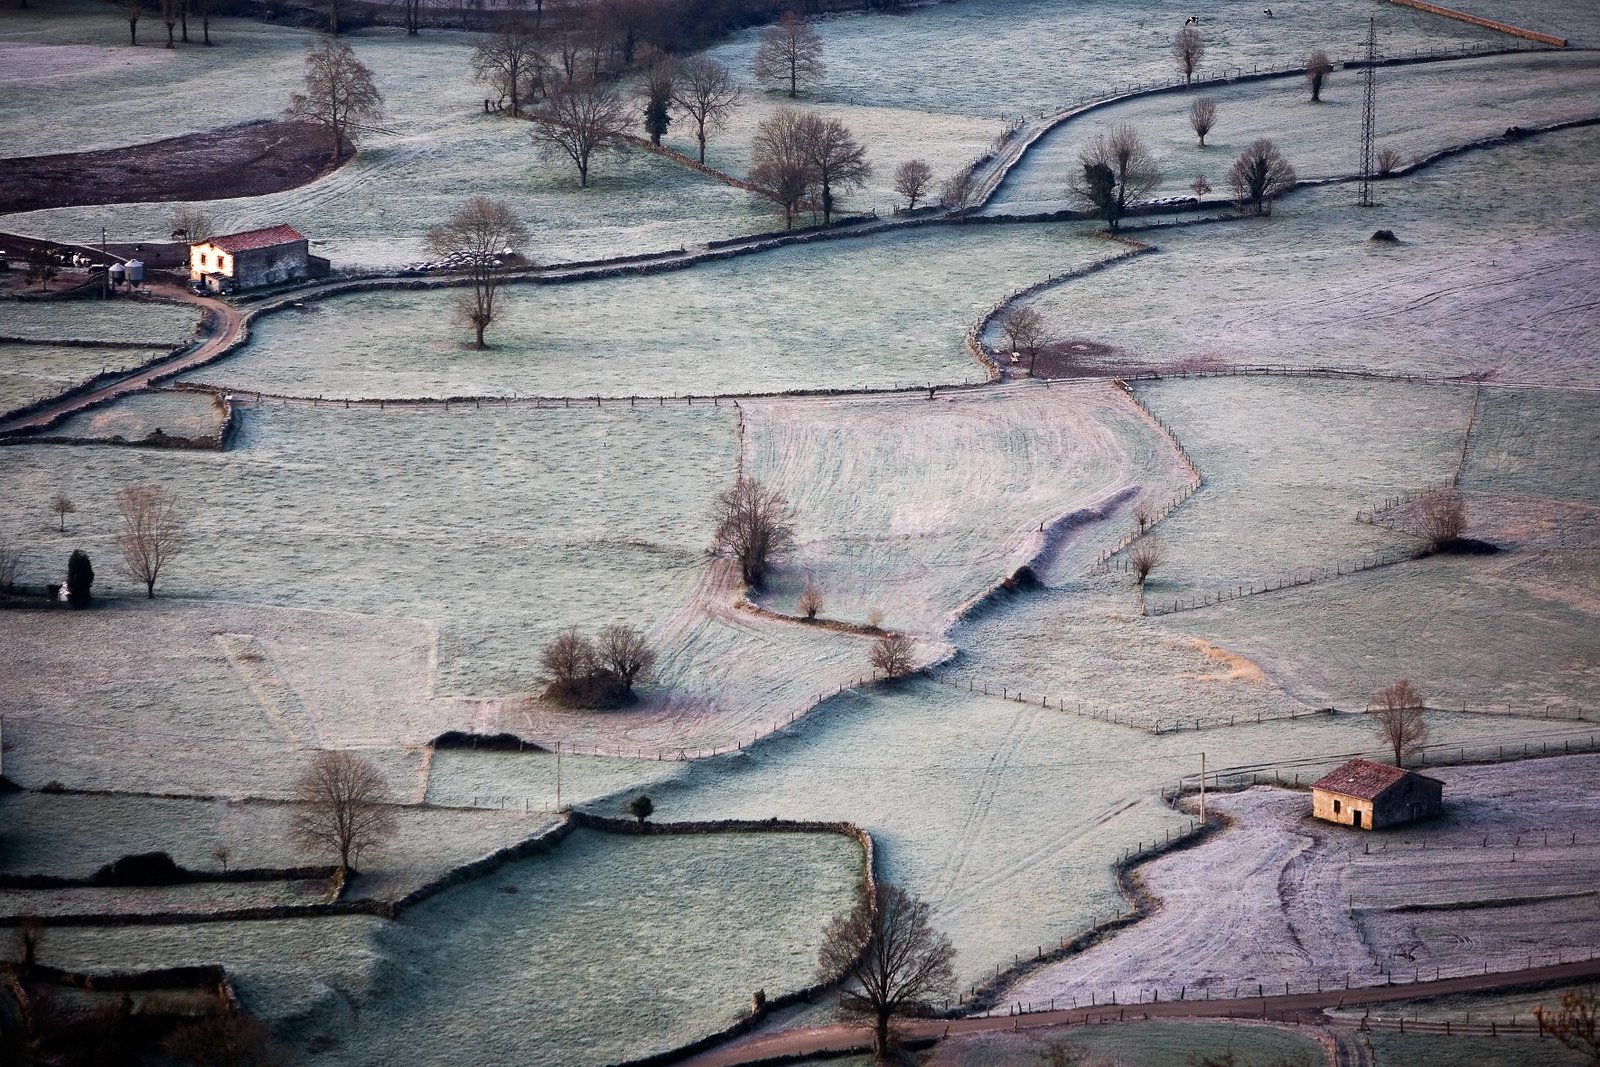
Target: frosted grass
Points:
(1535, 443)
(135, 417)
(841, 314)
(132, 321)
(1150, 1044)
(32, 372)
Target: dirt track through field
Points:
(1301, 1007)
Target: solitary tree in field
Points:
(892, 655)
(1025, 330)
(343, 807)
(624, 652)
(568, 663)
(912, 179)
(1442, 516)
(1202, 117)
(790, 55)
(780, 164)
(205, 8)
(130, 10)
(578, 121)
(1188, 48)
(340, 95)
(63, 506)
(655, 98)
(1115, 170)
(152, 532)
(706, 92)
(1575, 1022)
(1144, 516)
(1144, 557)
(1200, 185)
(836, 158)
(511, 62)
(641, 807)
(892, 958)
(1401, 722)
(1259, 175)
(810, 602)
(486, 230)
(80, 578)
(191, 223)
(754, 525)
(1318, 67)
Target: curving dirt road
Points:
(1301, 1007)
(228, 322)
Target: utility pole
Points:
(1202, 789)
(105, 267)
(558, 777)
(1367, 112)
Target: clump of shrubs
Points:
(599, 673)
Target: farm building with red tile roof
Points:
(1371, 796)
(253, 258)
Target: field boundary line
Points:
(1488, 24)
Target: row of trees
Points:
(798, 157)
(175, 14)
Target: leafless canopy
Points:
(1114, 170)
(1442, 516)
(1388, 160)
(152, 532)
(1188, 48)
(836, 158)
(10, 557)
(810, 601)
(1575, 1022)
(191, 223)
(1401, 722)
(754, 525)
(623, 651)
(780, 167)
(579, 120)
(1259, 175)
(340, 95)
(512, 62)
(343, 807)
(891, 956)
(1200, 185)
(567, 662)
(959, 193)
(486, 230)
(130, 10)
(62, 506)
(912, 179)
(790, 55)
(706, 92)
(1144, 557)
(891, 655)
(1318, 67)
(1144, 515)
(1202, 116)
(1025, 329)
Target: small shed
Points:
(1371, 796)
(254, 258)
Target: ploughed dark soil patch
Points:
(249, 160)
(1085, 358)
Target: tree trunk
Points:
(1316, 88)
(205, 27)
(149, 588)
(133, 32)
(583, 174)
(480, 325)
(793, 76)
(827, 202)
(701, 136)
(880, 1037)
(183, 21)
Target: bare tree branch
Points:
(791, 53)
(344, 807)
(1400, 719)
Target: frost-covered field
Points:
(1578, 23)
(1421, 110)
(1149, 1044)
(1281, 898)
(499, 528)
(915, 507)
(844, 314)
(132, 418)
(1481, 282)
(33, 372)
(136, 322)
(1287, 463)
(1535, 443)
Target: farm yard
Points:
(1011, 609)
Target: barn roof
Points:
(1362, 778)
(265, 237)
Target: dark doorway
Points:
(1355, 817)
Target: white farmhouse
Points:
(252, 259)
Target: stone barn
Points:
(1371, 796)
(253, 259)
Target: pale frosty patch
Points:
(21, 64)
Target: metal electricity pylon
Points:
(1367, 112)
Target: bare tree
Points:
(169, 16)
(1441, 516)
(837, 159)
(152, 532)
(512, 62)
(1575, 1023)
(579, 120)
(487, 231)
(10, 558)
(222, 853)
(656, 93)
(1025, 329)
(130, 10)
(912, 179)
(623, 651)
(191, 223)
(340, 95)
(791, 53)
(63, 506)
(1115, 170)
(892, 655)
(1144, 516)
(1144, 557)
(754, 525)
(1318, 67)
(1188, 48)
(1202, 116)
(959, 193)
(1388, 160)
(1200, 185)
(1259, 175)
(890, 955)
(567, 662)
(413, 16)
(810, 602)
(780, 167)
(1401, 721)
(204, 9)
(707, 93)
(343, 807)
